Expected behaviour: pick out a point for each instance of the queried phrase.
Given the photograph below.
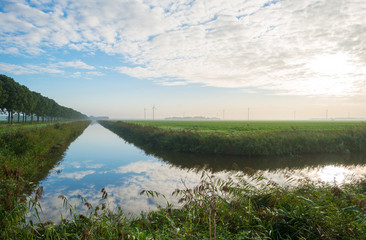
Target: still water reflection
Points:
(100, 159)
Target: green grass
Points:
(243, 138)
(5, 127)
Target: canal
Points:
(100, 159)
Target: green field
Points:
(252, 126)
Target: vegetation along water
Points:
(244, 138)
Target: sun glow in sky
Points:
(332, 65)
(189, 58)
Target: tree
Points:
(18, 98)
(10, 104)
(3, 96)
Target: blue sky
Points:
(282, 59)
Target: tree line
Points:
(18, 99)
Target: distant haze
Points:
(282, 59)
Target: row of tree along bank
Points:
(350, 139)
(16, 98)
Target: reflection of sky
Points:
(100, 159)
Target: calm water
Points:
(100, 159)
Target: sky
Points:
(276, 60)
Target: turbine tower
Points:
(153, 108)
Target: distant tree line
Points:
(16, 98)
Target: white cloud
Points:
(15, 69)
(138, 72)
(95, 73)
(27, 69)
(171, 83)
(75, 64)
(76, 75)
(254, 43)
(10, 50)
(53, 68)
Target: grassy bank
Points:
(31, 148)
(217, 209)
(244, 138)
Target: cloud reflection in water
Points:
(76, 175)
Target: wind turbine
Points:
(153, 108)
